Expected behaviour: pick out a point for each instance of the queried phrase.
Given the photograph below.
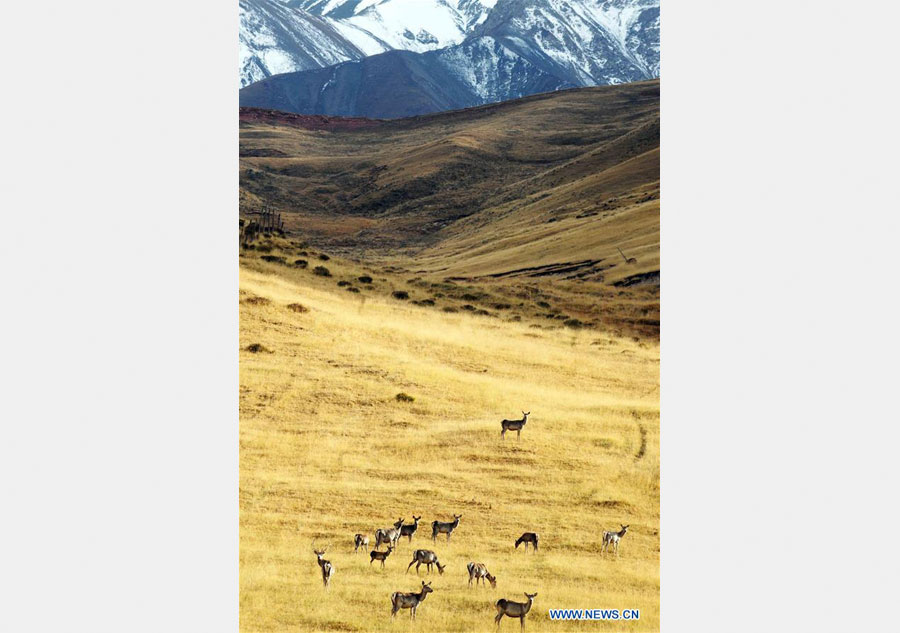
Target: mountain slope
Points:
(522, 47)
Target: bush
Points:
(301, 263)
(469, 307)
(352, 289)
(256, 348)
(425, 302)
(274, 259)
(400, 294)
(298, 307)
(573, 323)
(341, 284)
(502, 306)
(256, 301)
(264, 248)
(365, 279)
(324, 257)
(450, 309)
(543, 304)
(321, 271)
(404, 397)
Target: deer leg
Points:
(518, 433)
(410, 565)
(522, 622)
(497, 619)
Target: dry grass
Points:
(327, 451)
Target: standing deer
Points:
(409, 601)
(376, 555)
(528, 537)
(360, 540)
(389, 535)
(613, 538)
(477, 571)
(425, 557)
(409, 530)
(439, 527)
(514, 609)
(514, 425)
(326, 566)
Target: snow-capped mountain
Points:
(507, 49)
(280, 36)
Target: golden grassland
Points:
(327, 451)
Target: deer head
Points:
(416, 519)
(440, 568)
(457, 516)
(399, 522)
(426, 588)
(531, 596)
(492, 580)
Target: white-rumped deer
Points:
(409, 530)
(360, 540)
(409, 601)
(528, 537)
(428, 558)
(440, 527)
(376, 555)
(514, 609)
(326, 566)
(613, 538)
(477, 571)
(514, 425)
(389, 535)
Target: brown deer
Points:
(477, 571)
(514, 425)
(409, 530)
(514, 609)
(528, 537)
(389, 535)
(440, 527)
(360, 540)
(428, 558)
(326, 566)
(613, 538)
(376, 555)
(409, 601)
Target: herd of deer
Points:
(477, 571)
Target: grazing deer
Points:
(628, 260)
(613, 538)
(326, 566)
(425, 557)
(360, 540)
(514, 609)
(389, 535)
(477, 571)
(376, 555)
(409, 530)
(514, 425)
(439, 527)
(409, 601)
(528, 537)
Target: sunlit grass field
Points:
(326, 451)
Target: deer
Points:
(628, 260)
(439, 527)
(360, 540)
(514, 609)
(376, 555)
(613, 538)
(409, 601)
(326, 566)
(388, 535)
(477, 571)
(528, 537)
(428, 558)
(409, 530)
(514, 425)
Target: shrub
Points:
(352, 289)
(321, 271)
(573, 323)
(404, 397)
(365, 279)
(274, 259)
(264, 248)
(483, 313)
(450, 309)
(298, 307)
(343, 283)
(543, 304)
(257, 301)
(324, 257)
(425, 302)
(400, 294)
(256, 348)
(502, 306)
(301, 263)
(469, 307)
